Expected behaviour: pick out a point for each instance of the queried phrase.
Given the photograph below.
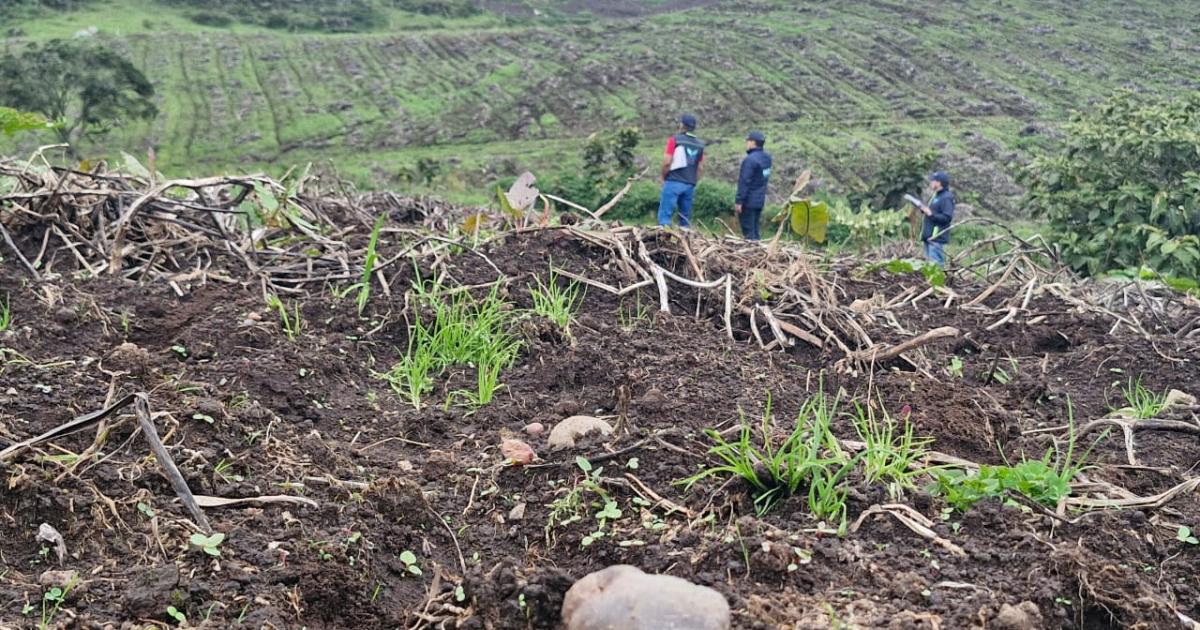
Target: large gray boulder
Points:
(622, 597)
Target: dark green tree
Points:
(87, 88)
(1124, 191)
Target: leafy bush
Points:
(896, 176)
(1125, 189)
(218, 20)
(294, 15)
(85, 87)
(13, 121)
(439, 8)
(1046, 480)
(866, 226)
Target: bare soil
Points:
(245, 411)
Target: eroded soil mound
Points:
(418, 521)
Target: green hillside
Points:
(838, 86)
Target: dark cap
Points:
(941, 176)
(688, 121)
(758, 137)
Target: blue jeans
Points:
(936, 253)
(676, 195)
(749, 220)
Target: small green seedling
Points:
(6, 313)
(145, 509)
(180, 350)
(1184, 535)
(410, 562)
(209, 544)
(203, 417)
(175, 614)
(955, 368)
(53, 600)
(291, 322)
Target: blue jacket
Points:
(752, 182)
(942, 206)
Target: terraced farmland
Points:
(837, 85)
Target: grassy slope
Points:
(834, 84)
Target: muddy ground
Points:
(245, 411)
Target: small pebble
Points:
(535, 429)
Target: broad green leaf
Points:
(134, 167)
(809, 219)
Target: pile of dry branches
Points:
(293, 236)
(285, 233)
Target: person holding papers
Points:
(939, 214)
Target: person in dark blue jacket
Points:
(939, 213)
(752, 185)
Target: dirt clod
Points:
(564, 434)
(517, 452)
(622, 596)
(1023, 616)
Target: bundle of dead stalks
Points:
(293, 235)
(286, 233)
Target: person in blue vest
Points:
(680, 172)
(939, 213)
(752, 185)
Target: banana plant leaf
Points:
(809, 219)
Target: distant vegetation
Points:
(295, 15)
(341, 16)
(84, 87)
(438, 97)
(1125, 190)
(12, 11)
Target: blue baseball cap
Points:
(688, 121)
(758, 137)
(941, 176)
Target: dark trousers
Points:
(749, 219)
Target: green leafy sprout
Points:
(556, 303)
(291, 322)
(410, 562)
(1046, 481)
(1141, 401)
(6, 313)
(809, 456)
(53, 599)
(364, 284)
(462, 331)
(892, 453)
(208, 544)
(177, 615)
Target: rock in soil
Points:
(622, 596)
(535, 429)
(1023, 616)
(564, 434)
